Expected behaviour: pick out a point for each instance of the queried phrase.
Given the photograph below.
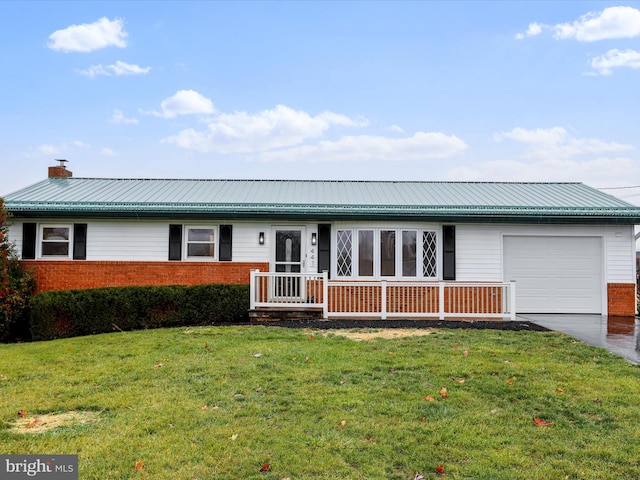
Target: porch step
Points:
(271, 314)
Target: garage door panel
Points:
(555, 274)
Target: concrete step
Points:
(277, 314)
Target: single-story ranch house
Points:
(361, 248)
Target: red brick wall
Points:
(621, 299)
(67, 275)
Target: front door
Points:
(288, 259)
(288, 251)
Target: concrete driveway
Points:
(619, 335)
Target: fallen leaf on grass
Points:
(443, 392)
(465, 353)
(423, 420)
(440, 469)
(139, 466)
(542, 423)
(265, 467)
(312, 337)
(458, 380)
(234, 436)
(429, 398)
(33, 423)
(559, 390)
(158, 365)
(343, 423)
(257, 355)
(511, 381)
(22, 413)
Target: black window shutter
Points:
(448, 252)
(28, 241)
(226, 240)
(79, 241)
(324, 248)
(175, 242)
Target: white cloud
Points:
(119, 68)
(597, 171)
(47, 150)
(88, 37)
(107, 152)
(616, 59)
(533, 30)
(55, 150)
(557, 143)
(242, 132)
(421, 146)
(79, 144)
(118, 117)
(611, 23)
(184, 102)
(396, 128)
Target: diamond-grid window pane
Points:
(344, 250)
(429, 256)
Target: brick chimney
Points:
(60, 170)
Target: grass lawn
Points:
(228, 402)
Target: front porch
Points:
(301, 295)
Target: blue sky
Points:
(474, 91)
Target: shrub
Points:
(69, 313)
(16, 284)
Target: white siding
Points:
(245, 242)
(478, 253)
(15, 235)
(128, 240)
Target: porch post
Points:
(252, 289)
(325, 294)
(383, 307)
(441, 286)
(512, 298)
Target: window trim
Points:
(41, 241)
(399, 270)
(186, 242)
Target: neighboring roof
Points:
(319, 199)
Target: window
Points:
(365, 253)
(388, 253)
(201, 242)
(344, 246)
(55, 241)
(429, 255)
(394, 253)
(409, 253)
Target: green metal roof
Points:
(319, 199)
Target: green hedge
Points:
(70, 313)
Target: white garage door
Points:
(555, 274)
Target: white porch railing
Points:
(382, 298)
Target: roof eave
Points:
(309, 213)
